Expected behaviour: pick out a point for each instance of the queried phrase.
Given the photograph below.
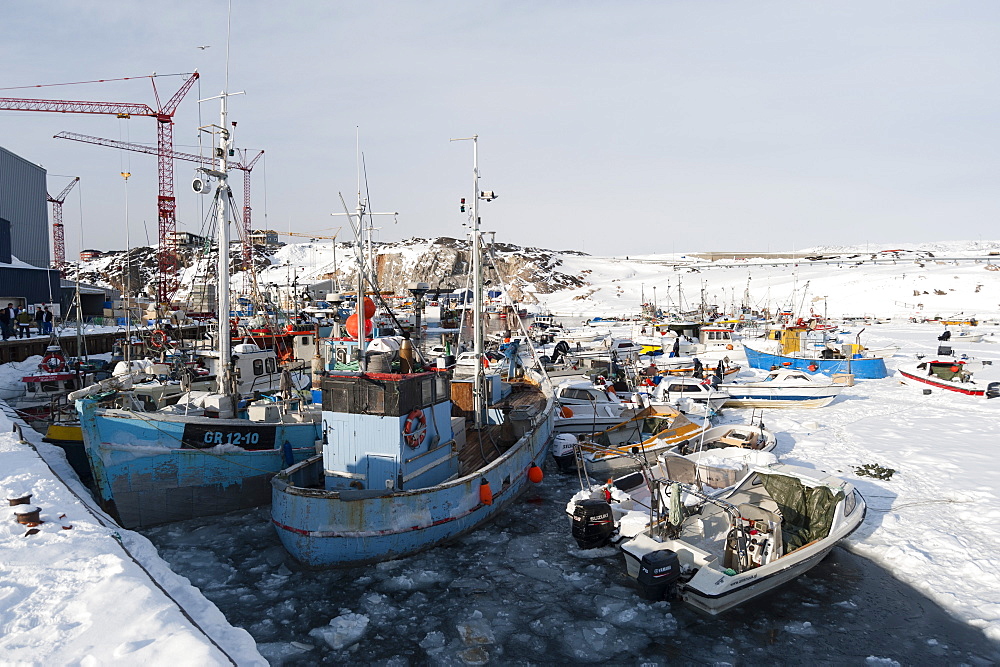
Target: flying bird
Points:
(203, 47)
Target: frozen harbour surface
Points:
(519, 592)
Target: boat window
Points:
(269, 363)
(684, 387)
(850, 502)
(579, 394)
(258, 366)
(305, 340)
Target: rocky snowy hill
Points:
(911, 280)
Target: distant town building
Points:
(90, 255)
(264, 237)
(187, 240)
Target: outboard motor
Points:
(592, 524)
(562, 347)
(658, 574)
(993, 390)
(562, 451)
(944, 350)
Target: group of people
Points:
(16, 322)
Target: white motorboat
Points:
(783, 388)
(778, 523)
(714, 467)
(687, 393)
(965, 336)
(952, 374)
(595, 417)
(584, 392)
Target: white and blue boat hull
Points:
(335, 528)
(151, 469)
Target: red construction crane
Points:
(58, 238)
(204, 160)
(166, 203)
(247, 167)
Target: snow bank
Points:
(71, 593)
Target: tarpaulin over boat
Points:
(807, 513)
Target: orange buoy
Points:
(485, 493)
(535, 474)
(565, 412)
(813, 368)
(954, 369)
(369, 308)
(352, 326)
(786, 363)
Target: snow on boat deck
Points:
(79, 594)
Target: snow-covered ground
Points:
(80, 590)
(934, 525)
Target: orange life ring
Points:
(158, 338)
(415, 428)
(53, 363)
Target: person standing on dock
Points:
(46, 321)
(40, 321)
(24, 324)
(7, 316)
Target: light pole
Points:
(418, 290)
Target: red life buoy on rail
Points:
(53, 363)
(158, 338)
(415, 428)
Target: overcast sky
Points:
(610, 127)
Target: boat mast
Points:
(479, 402)
(225, 371)
(478, 393)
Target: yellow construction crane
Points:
(312, 236)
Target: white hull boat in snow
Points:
(783, 388)
(780, 522)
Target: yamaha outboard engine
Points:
(562, 451)
(993, 390)
(658, 574)
(592, 524)
(562, 347)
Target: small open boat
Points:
(778, 523)
(951, 374)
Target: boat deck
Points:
(486, 445)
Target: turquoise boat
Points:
(399, 474)
(152, 467)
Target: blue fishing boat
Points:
(204, 452)
(398, 472)
(792, 347)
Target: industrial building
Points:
(26, 278)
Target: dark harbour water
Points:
(519, 592)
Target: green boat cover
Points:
(807, 513)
